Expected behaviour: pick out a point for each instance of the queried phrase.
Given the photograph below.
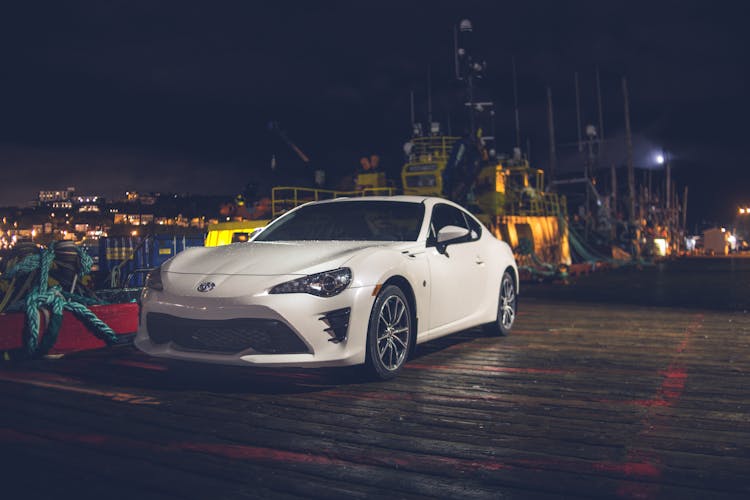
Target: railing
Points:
(431, 148)
(532, 203)
(285, 198)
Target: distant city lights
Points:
(65, 215)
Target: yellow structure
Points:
(520, 209)
(285, 198)
(423, 174)
(509, 194)
(548, 236)
(370, 180)
(225, 233)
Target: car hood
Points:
(268, 258)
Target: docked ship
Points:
(507, 195)
(505, 192)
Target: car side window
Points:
(474, 227)
(445, 215)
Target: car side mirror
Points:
(448, 235)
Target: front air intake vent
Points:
(230, 336)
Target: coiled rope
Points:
(53, 299)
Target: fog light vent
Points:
(338, 324)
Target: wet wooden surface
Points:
(582, 400)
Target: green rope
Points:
(538, 273)
(98, 327)
(29, 264)
(525, 247)
(540, 263)
(591, 256)
(86, 262)
(88, 301)
(539, 270)
(48, 255)
(54, 300)
(35, 300)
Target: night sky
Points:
(110, 96)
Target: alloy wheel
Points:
(393, 332)
(507, 302)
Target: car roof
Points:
(427, 200)
(400, 197)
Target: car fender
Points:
(375, 266)
(509, 260)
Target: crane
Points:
(274, 127)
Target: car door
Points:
(457, 275)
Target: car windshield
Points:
(349, 221)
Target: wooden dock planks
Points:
(581, 400)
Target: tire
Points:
(507, 302)
(390, 334)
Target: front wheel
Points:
(389, 335)
(506, 306)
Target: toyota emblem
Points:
(206, 286)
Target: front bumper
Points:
(291, 330)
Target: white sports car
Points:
(333, 283)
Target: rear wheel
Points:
(389, 335)
(506, 306)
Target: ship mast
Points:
(631, 169)
(515, 104)
(470, 68)
(551, 128)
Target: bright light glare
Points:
(660, 159)
(661, 246)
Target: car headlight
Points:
(153, 279)
(326, 284)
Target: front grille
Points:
(229, 336)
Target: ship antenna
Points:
(515, 103)
(411, 106)
(552, 150)
(631, 168)
(455, 54)
(599, 102)
(528, 149)
(429, 96)
(578, 113)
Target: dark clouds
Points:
(161, 94)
